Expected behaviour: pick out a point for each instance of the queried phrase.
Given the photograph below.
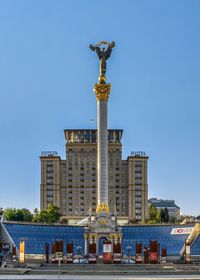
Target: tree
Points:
(18, 215)
(166, 215)
(1, 211)
(35, 211)
(158, 216)
(152, 213)
(36, 215)
(51, 215)
(162, 215)
(41, 216)
(10, 214)
(172, 220)
(13, 214)
(27, 215)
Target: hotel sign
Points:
(49, 153)
(138, 153)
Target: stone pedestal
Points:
(102, 225)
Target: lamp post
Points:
(129, 252)
(59, 263)
(78, 248)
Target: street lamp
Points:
(78, 248)
(129, 252)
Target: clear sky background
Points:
(47, 73)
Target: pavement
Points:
(98, 277)
(102, 272)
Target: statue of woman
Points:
(103, 54)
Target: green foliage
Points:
(172, 220)
(152, 213)
(162, 215)
(1, 211)
(36, 215)
(13, 214)
(166, 215)
(27, 215)
(51, 215)
(158, 216)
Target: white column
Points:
(102, 151)
(86, 246)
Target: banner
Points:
(185, 230)
(187, 254)
(92, 258)
(107, 253)
(107, 248)
(107, 257)
(22, 251)
(153, 256)
(138, 258)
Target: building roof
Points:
(162, 203)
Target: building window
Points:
(49, 187)
(138, 182)
(49, 193)
(138, 199)
(137, 193)
(138, 163)
(49, 199)
(138, 217)
(137, 205)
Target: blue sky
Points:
(47, 73)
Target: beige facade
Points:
(71, 184)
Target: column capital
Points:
(86, 236)
(102, 91)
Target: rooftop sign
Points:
(49, 153)
(138, 153)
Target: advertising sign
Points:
(138, 258)
(107, 248)
(92, 258)
(107, 253)
(107, 256)
(117, 258)
(185, 230)
(58, 255)
(22, 251)
(164, 255)
(153, 256)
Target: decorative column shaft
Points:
(102, 92)
(102, 154)
(86, 244)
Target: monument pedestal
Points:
(103, 231)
